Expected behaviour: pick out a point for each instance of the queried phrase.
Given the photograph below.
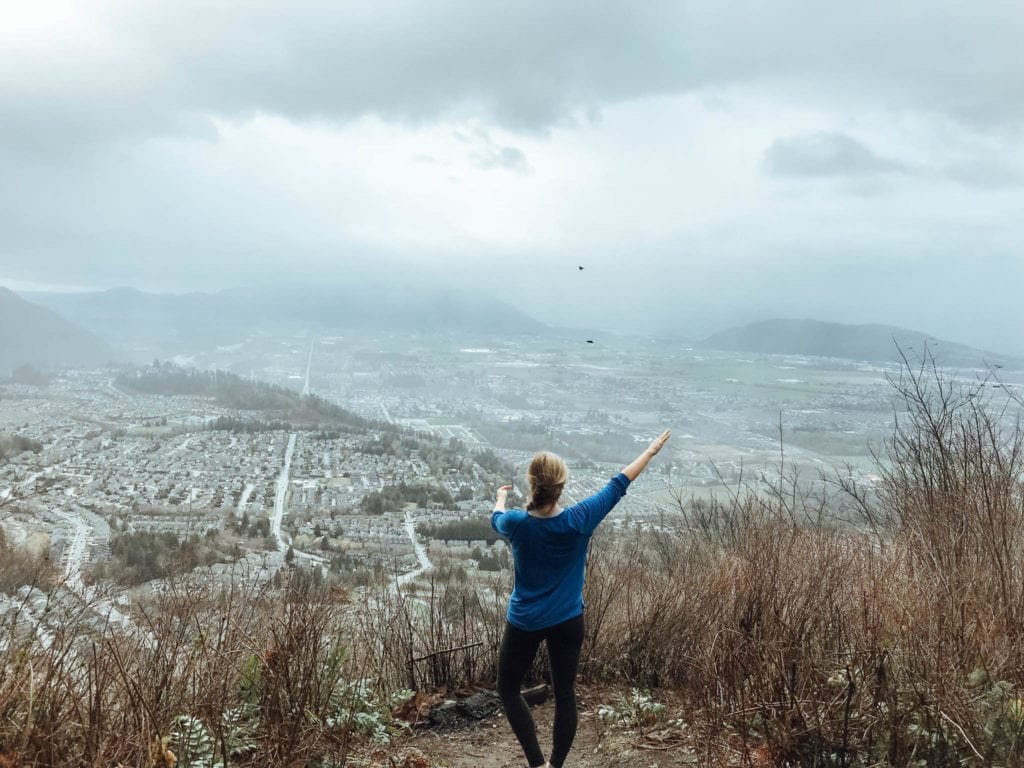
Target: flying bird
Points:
(579, 268)
(590, 341)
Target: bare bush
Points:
(895, 642)
(233, 674)
(447, 637)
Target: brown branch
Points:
(448, 650)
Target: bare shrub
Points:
(233, 673)
(896, 641)
(23, 566)
(447, 637)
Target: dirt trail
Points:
(491, 744)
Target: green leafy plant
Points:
(639, 710)
(359, 705)
(191, 742)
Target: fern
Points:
(191, 742)
(240, 726)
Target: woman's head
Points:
(547, 476)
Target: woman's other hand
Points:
(502, 496)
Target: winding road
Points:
(419, 549)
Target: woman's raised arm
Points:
(639, 464)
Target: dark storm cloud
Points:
(164, 67)
(825, 154)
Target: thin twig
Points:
(956, 725)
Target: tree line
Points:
(467, 529)
(232, 391)
(11, 445)
(139, 557)
(393, 498)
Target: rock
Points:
(451, 714)
(458, 713)
(480, 705)
(445, 715)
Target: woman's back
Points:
(549, 554)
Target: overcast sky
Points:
(707, 162)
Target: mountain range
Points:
(79, 328)
(34, 335)
(131, 317)
(877, 343)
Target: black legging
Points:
(518, 648)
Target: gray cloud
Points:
(982, 174)
(488, 154)
(510, 158)
(526, 66)
(836, 155)
(98, 189)
(825, 154)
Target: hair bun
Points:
(547, 476)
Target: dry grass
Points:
(266, 676)
(892, 641)
(892, 638)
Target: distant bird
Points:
(580, 268)
(590, 341)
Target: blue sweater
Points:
(550, 554)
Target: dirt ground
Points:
(490, 743)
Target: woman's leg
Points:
(514, 659)
(565, 641)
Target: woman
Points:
(549, 548)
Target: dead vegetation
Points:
(891, 640)
(852, 626)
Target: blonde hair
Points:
(547, 476)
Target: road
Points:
(183, 446)
(309, 364)
(243, 500)
(281, 509)
(281, 496)
(419, 549)
(74, 554)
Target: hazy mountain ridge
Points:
(871, 342)
(31, 334)
(135, 316)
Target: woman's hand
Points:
(638, 464)
(502, 496)
(658, 443)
